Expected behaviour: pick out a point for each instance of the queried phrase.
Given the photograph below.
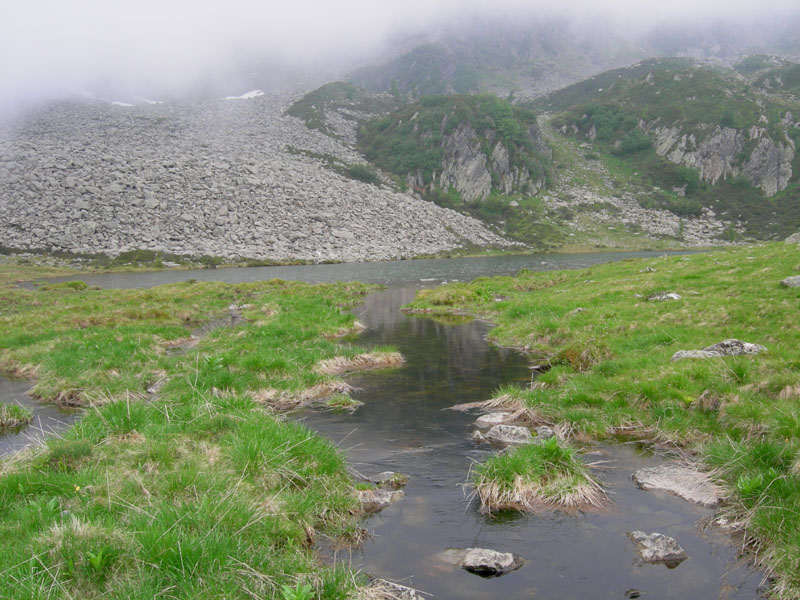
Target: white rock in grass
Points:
(731, 347)
(791, 282)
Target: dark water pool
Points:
(48, 419)
(404, 426)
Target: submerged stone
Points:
(378, 499)
(681, 480)
(658, 548)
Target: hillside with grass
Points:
(704, 140)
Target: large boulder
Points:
(490, 563)
(684, 481)
(658, 548)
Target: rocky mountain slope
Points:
(701, 136)
(232, 178)
(467, 146)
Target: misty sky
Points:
(50, 48)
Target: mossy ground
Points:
(611, 371)
(197, 491)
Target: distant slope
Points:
(704, 137)
(500, 57)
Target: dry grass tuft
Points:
(288, 400)
(530, 496)
(362, 362)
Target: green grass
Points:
(14, 415)
(612, 372)
(199, 491)
(534, 477)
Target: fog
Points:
(169, 48)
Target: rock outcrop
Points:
(722, 152)
(233, 178)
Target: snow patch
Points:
(247, 96)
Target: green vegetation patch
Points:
(534, 477)
(331, 97)
(191, 489)
(14, 415)
(410, 140)
(611, 374)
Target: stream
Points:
(404, 426)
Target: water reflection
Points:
(48, 419)
(403, 427)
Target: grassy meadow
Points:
(607, 352)
(181, 480)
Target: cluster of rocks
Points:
(233, 178)
(731, 347)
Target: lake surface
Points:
(404, 426)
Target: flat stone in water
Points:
(509, 434)
(375, 500)
(495, 418)
(683, 481)
(490, 563)
(658, 548)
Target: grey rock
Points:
(734, 347)
(791, 282)
(730, 347)
(658, 548)
(495, 418)
(681, 480)
(509, 434)
(694, 354)
(543, 432)
(490, 563)
(662, 296)
(793, 239)
(378, 499)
